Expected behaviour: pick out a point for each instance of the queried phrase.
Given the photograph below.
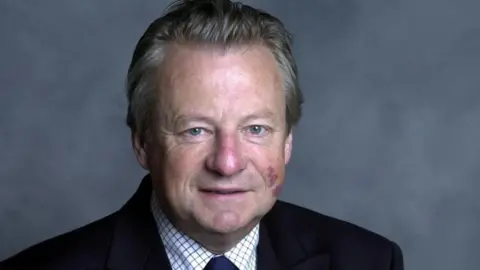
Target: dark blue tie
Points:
(220, 263)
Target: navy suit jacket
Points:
(291, 238)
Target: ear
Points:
(139, 147)
(288, 148)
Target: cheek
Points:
(272, 177)
(277, 190)
(176, 165)
(182, 163)
(274, 180)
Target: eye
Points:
(257, 130)
(194, 135)
(196, 131)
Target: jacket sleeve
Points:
(397, 258)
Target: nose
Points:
(226, 159)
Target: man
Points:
(213, 97)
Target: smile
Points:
(222, 193)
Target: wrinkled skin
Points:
(219, 125)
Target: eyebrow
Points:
(264, 114)
(182, 118)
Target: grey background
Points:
(389, 139)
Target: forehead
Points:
(187, 66)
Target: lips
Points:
(223, 191)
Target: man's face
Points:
(219, 143)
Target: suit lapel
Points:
(283, 247)
(266, 257)
(136, 243)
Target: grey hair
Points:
(206, 22)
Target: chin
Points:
(226, 222)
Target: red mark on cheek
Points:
(277, 190)
(272, 177)
(273, 183)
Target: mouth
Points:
(223, 192)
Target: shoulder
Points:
(87, 245)
(305, 221)
(321, 232)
